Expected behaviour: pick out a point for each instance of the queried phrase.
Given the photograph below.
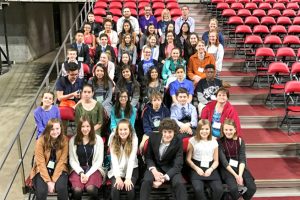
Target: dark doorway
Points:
(57, 27)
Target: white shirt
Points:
(203, 150)
(134, 22)
(113, 37)
(218, 52)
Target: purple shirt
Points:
(144, 23)
(42, 117)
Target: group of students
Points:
(210, 161)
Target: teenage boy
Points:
(164, 159)
(184, 113)
(82, 49)
(154, 113)
(95, 27)
(181, 82)
(71, 60)
(110, 16)
(184, 18)
(206, 88)
(104, 47)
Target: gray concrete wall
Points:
(30, 28)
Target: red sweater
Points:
(229, 112)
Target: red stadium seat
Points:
(251, 43)
(116, 12)
(291, 40)
(175, 12)
(114, 4)
(293, 6)
(237, 6)
(243, 13)
(240, 32)
(133, 12)
(261, 30)
(98, 19)
(158, 5)
(285, 54)
(142, 4)
(235, 20)
(270, 1)
(265, 6)
(100, 4)
(99, 11)
(284, 21)
(228, 12)
(279, 6)
(158, 12)
(273, 41)
(155, 1)
(296, 21)
(230, 1)
(222, 6)
(131, 5)
(267, 21)
(243, 1)
(278, 29)
(291, 102)
(257, 1)
(252, 21)
(141, 12)
(289, 13)
(251, 6)
(259, 13)
(172, 5)
(283, 1)
(295, 71)
(116, 18)
(294, 29)
(274, 13)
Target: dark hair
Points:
(71, 66)
(122, 79)
(108, 13)
(147, 30)
(79, 135)
(130, 26)
(48, 92)
(121, 62)
(174, 35)
(128, 108)
(168, 124)
(49, 142)
(182, 91)
(91, 13)
(201, 123)
(79, 31)
(210, 66)
(223, 89)
(103, 35)
(180, 67)
(107, 20)
(148, 77)
(166, 32)
(181, 32)
(156, 95)
(105, 80)
(88, 85)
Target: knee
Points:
(218, 190)
(251, 189)
(77, 193)
(177, 183)
(92, 190)
(61, 188)
(41, 192)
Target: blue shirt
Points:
(144, 23)
(146, 65)
(190, 110)
(216, 118)
(114, 120)
(63, 84)
(187, 84)
(205, 38)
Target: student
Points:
(184, 18)
(82, 49)
(152, 42)
(127, 17)
(113, 38)
(103, 87)
(184, 33)
(213, 26)
(71, 60)
(232, 154)
(147, 20)
(128, 29)
(109, 16)
(89, 39)
(190, 46)
(220, 109)
(202, 157)
(145, 64)
(90, 107)
(68, 88)
(166, 48)
(197, 62)
(149, 31)
(164, 159)
(184, 113)
(128, 82)
(206, 88)
(49, 172)
(215, 48)
(163, 23)
(127, 45)
(170, 66)
(125, 60)
(96, 28)
(154, 113)
(124, 164)
(45, 112)
(181, 82)
(104, 47)
(122, 109)
(86, 153)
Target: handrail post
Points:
(21, 160)
(57, 67)
(65, 50)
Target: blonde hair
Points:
(117, 143)
(217, 38)
(229, 122)
(202, 123)
(165, 11)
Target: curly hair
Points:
(168, 124)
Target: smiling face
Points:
(99, 72)
(107, 26)
(184, 28)
(147, 53)
(79, 37)
(180, 74)
(200, 47)
(123, 98)
(87, 93)
(125, 58)
(103, 41)
(55, 130)
(170, 27)
(126, 27)
(123, 131)
(204, 131)
(193, 39)
(126, 74)
(167, 135)
(103, 59)
(72, 75)
(147, 11)
(127, 39)
(213, 25)
(152, 41)
(126, 12)
(151, 29)
(182, 98)
(222, 97)
(175, 54)
(85, 128)
(154, 74)
(156, 103)
(229, 131)
(213, 37)
(72, 55)
(47, 100)
(87, 28)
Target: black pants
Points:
(61, 187)
(178, 187)
(216, 187)
(233, 188)
(115, 193)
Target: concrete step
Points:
(247, 95)
(236, 78)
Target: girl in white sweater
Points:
(124, 163)
(86, 151)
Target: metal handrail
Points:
(81, 17)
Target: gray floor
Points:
(18, 88)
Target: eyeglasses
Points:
(123, 97)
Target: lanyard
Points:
(226, 145)
(86, 156)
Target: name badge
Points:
(80, 59)
(213, 97)
(99, 99)
(200, 69)
(216, 125)
(233, 163)
(51, 165)
(156, 123)
(204, 164)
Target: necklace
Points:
(228, 146)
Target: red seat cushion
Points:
(294, 108)
(277, 86)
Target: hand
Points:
(189, 131)
(156, 184)
(200, 171)
(51, 186)
(128, 185)
(239, 180)
(76, 94)
(157, 175)
(196, 79)
(208, 172)
(84, 178)
(119, 184)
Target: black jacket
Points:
(108, 48)
(84, 52)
